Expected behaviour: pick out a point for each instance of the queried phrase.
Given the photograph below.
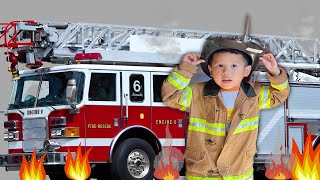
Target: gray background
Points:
(273, 17)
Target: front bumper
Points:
(13, 161)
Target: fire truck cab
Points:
(115, 109)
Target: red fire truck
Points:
(107, 94)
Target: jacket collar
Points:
(212, 89)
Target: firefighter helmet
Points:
(251, 50)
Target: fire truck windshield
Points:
(44, 90)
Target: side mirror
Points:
(71, 93)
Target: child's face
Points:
(228, 69)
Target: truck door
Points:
(163, 116)
(102, 112)
(135, 89)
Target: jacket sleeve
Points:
(275, 94)
(176, 92)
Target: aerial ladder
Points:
(33, 42)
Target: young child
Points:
(224, 112)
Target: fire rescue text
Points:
(100, 126)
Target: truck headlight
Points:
(11, 136)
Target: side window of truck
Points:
(102, 87)
(157, 84)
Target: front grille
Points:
(34, 133)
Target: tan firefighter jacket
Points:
(211, 153)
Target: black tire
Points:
(101, 172)
(58, 177)
(316, 142)
(56, 172)
(133, 160)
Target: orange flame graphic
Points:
(78, 169)
(307, 165)
(167, 165)
(277, 171)
(167, 172)
(35, 171)
(169, 161)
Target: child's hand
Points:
(271, 64)
(194, 59)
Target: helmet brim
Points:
(251, 51)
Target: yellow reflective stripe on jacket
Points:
(178, 80)
(183, 108)
(201, 125)
(201, 178)
(185, 99)
(247, 176)
(280, 87)
(264, 98)
(247, 125)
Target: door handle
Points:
(127, 107)
(115, 122)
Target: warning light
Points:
(88, 56)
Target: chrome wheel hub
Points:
(138, 163)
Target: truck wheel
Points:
(316, 142)
(133, 159)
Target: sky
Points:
(273, 17)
